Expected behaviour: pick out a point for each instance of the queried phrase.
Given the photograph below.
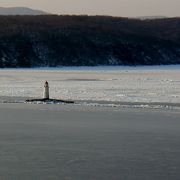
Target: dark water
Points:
(47, 142)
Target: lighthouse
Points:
(46, 91)
(46, 98)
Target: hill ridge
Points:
(52, 40)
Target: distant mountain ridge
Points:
(20, 11)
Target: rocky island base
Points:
(54, 101)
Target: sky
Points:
(125, 8)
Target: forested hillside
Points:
(51, 40)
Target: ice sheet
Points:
(127, 84)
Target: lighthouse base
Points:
(47, 100)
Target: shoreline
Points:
(105, 67)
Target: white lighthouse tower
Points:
(46, 91)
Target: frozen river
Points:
(125, 84)
(72, 142)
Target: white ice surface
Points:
(127, 84)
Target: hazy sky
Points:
(102, 7)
